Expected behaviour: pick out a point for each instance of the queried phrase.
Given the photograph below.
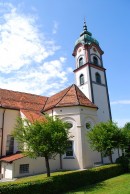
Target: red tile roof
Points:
(32, 116)
(71, 96)
(20, 100)
(31, 105)
(12, 158)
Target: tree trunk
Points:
(101, 158)
(47, 166)
(110, 155)
(60, 161)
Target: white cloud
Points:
(25, 51)
(122, 102)
(55, 27)
(21, 41)
(46, 79)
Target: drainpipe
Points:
(52, 113)
(2, 131)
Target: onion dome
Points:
(86, 37)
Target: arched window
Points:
(81, 79)
(98, 78)
(80, 61)
(70, 149)
(95, 60)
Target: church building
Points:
(82, 104)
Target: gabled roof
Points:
(12, 158)
(20, 100)
(71, 96)
(31, 105)
(33, 115)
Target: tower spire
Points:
(84, 26)
(85, 30)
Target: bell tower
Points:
(90, 74)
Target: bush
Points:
(62, 183)
(124, 162)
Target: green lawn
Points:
(117, 185)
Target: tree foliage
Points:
(42, 138)
(126, 131)
(104, 138)
(127, 126)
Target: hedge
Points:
(62, 183)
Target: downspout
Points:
(52, 113)
(2, 132)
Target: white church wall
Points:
(81, 52)
(90, 157)
(7, 170)
(94, 71)
(83, 156)
(101, 102)
(85, 88)
(93, 50)
(72, 114)
(9, 120)
(36, 166)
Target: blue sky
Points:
(37, 40)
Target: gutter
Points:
(2, 132)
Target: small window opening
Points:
(80, 61)
(69, 149)
(24, 168)
(98, 78)
(95, 60)
(81, 79)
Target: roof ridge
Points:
(45, 104)
(63, 95)
(77, 94)
(23, 92)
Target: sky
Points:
(37, 39)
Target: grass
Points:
(116, 185)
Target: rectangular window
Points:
(9, 145)
(24, 168)
(69, 149)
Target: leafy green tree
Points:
(42, 138)
(104, 138)
(127, 126)
(123, 139)
(126, 131)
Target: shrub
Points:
(124, 162)
(62, 183)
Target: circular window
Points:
(70, 125)
(88, 125)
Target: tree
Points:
(126, 131)
(123, 139)
(127, 126)
(42, 138)
(104, 138)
